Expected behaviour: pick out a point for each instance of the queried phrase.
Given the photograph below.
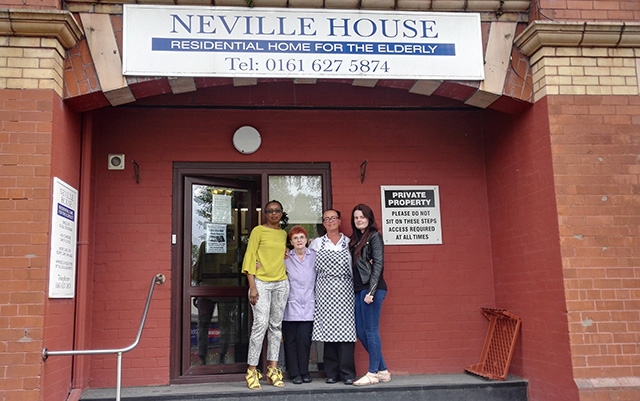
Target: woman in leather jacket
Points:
(367, 251)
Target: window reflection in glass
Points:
(301, 196)
(217, 249)
(219, 330)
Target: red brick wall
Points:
(436, 292)
(526, 249)
(596, 146)
(25, 201)
(38, 140)
(586, 10)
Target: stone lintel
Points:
(41, 23)
(497, 59)
(367, 83)
(608, 34)
(425, 87)
(305, 81)
(245, 81)
(182, 85)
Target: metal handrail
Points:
(157, 279)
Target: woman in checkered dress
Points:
(334, 319)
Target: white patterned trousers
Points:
(267, 318)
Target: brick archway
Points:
(93, 78)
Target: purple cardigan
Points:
(302, 281)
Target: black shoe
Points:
(348, 382)
(297, 380)
(306, 379)
(331, 380)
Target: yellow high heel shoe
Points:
(253, 379)
(274, 376)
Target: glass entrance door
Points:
(219, 215)
(215, 206)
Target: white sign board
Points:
(300, 43)
(216, 238)
(221, 209)
(64, 224)
(411, 215)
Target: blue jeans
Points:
(368, 328)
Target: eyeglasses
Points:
(273, 211)
(328, 219)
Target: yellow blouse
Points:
(267, 246)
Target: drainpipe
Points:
(84, 274)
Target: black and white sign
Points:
(64, 223)
(216, 238)
(300, 43)
(411, 215)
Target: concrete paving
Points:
(446, 387)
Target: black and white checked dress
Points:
(334, 319)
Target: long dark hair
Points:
(284, 220)
(359, 239)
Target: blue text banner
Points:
(300, 43)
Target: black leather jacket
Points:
(371, 272)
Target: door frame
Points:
(259, 172)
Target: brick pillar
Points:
(24, 215)
(589, 73)
(32, 56)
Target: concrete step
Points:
(448, 387)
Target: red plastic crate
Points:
(499, 344)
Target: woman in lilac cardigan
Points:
(298, 315)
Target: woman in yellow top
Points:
(268, 292)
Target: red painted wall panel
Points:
(59, 322)
(431, 320)
(526, 248)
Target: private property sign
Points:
(300, 43)
(411, 215)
